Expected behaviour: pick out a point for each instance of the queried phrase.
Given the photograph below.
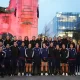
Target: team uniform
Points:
(2, 63)
(64, 56)
(71, 43)
(7, 42)
(55, 43)
(12, 42)
(15, 56)
(21, 59)
(29, 55)
(51, 58)
(65, 41)
(72, 60)
(8, 61)
(19, 42)
(64, 61)
(59, 43)
(78, 61)
(44, 54)
(46, 42)
(26, 42)
(37, 60)
(29, 60)
(33, 43)
(57, 60)
(39, 41)
(44, 61)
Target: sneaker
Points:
(41, 74)
(66, 74)
(30, 75)
(26, 74)
(11, 75)
(22, 74)
(63, 74)
(19, 74)
(78, 73)
(46, 74)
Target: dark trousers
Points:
(2, 71)
(51, 65)
(72, 66)
(21, 65)
(36, 67)
(8, 66)
(14, 66)
(57, 65)
(78, 63)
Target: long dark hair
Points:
(26, 38)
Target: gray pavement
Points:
(42, 78)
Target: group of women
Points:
(39, 56)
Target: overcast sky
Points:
(48, 9)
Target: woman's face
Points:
(23, 44)
(29, 46)
(46, 38)
(37, 45)
(15, 44)
(71, 46)
(63, 46)
(7, 37)
(0, 36)
(50, 39)
(26, 38)
(7, 46)
(59, 38)
(51, 44)
(33, 38)
(44, 45)
(57, 46)
(39, 37)
(54, 38)
(1, 44)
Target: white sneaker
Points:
(66, 74)
(22, 74)
(26, 74)
(30, 75)
(41, 74)
(63, 74)
(46, 74)
(11, 75)
(19, 74)
(52, 74)
(79, 73)
(76, 73)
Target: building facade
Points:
(64, 23)
(23, 21)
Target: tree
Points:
(76, 36)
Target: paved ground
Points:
(43, 78)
